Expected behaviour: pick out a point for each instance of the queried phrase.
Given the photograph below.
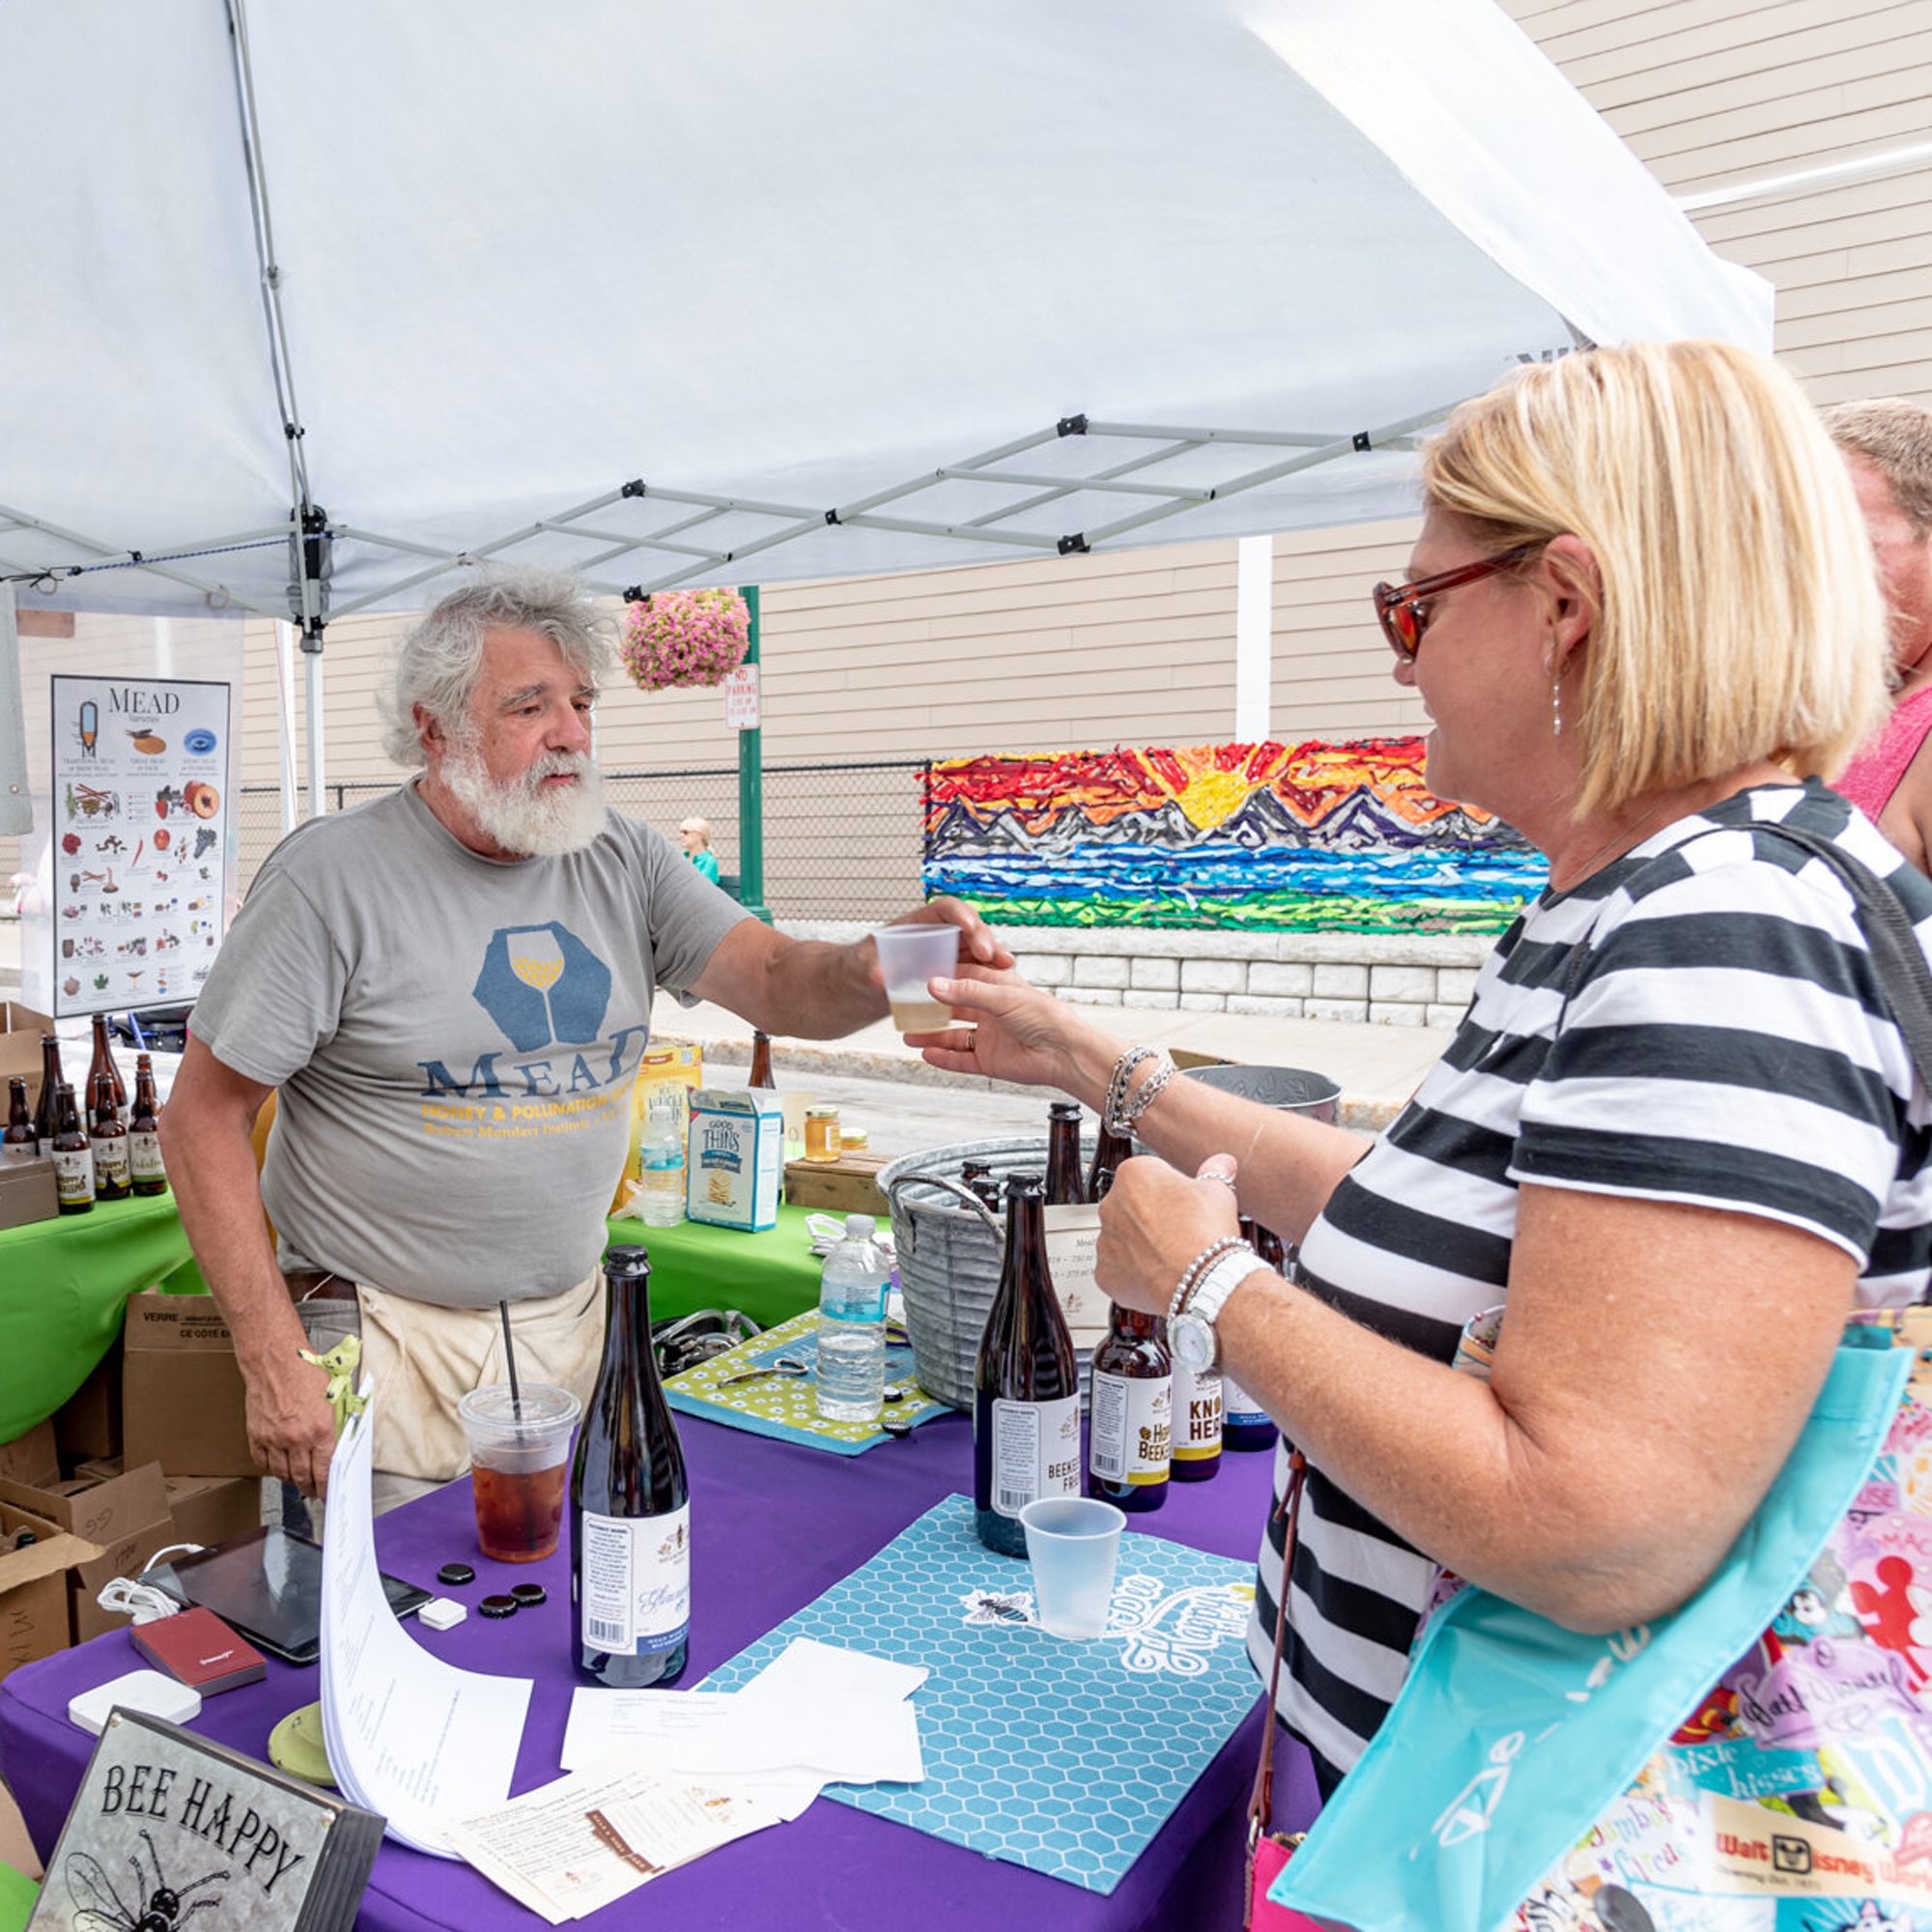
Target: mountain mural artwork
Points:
(1317, 837)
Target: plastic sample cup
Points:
(909, 955)
(519, 1461)
(1072, 1544)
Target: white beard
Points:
(517, 815)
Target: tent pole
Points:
(751, 792)
(312, 698)
(1254, 637)
(285, 718)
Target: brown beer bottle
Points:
(145, 1170)
(19, 1142)
(1026, 1397)
(1109, 1152)
(46, 1115)
(1244, 1423)
(1131, 1450)
(104, 1063)
(1066, 1184)
(761, 1061)
(109, 1141)
(74, 1156)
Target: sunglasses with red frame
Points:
(1405, 615)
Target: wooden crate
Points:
(847, 1185)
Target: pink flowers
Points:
(684, 637)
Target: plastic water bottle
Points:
(661, 1168)
(852, 1326)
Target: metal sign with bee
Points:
(170, 1831)
(141, 785)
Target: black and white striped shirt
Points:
(1726, 1043)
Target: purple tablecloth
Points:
(776, 1525)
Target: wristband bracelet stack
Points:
(1123, 1110)
(1191, 1275)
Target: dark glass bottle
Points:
(1244, 1423)
(20, 1142)
(104, 1063)
(1109, 1152)
(1197, 1425)
(109, 1142)
(73, 1155)
(761, 1061)
(46, 1114)
(1065, 1183)
(145, 1169)
(630, 1505)
(1130, 1446)
(1026, 1401)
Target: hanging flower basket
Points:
(685, 636)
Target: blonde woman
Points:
(1676, 1133)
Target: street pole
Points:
(752, 789)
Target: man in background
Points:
(1888, 447)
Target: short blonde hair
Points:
(1741, 614)
(696, 828)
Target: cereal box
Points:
(735, 1153)
(672, 1069)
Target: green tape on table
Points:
(770, 1276)
(63, 1286)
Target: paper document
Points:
(409, 1736)
(587, 1839)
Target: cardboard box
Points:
(87, 1425)
(20, 1030)
(28, 1191)
(181, 1400)
(847, 1185)
(32, 1458)
(33, 1616)
(209, 1510)
(735, 1152)
(666, 1077)
(125, 1518)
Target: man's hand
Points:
(978, 941)
(291, 1424)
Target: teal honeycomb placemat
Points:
(1062, 1757)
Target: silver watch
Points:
(1191, 1333)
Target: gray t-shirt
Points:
(455, 1040)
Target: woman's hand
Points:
(1155, 1221)
(1017, 1033)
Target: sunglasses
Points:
(1403, 611)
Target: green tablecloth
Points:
(62, 1284)
(770, 1276)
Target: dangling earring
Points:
(1556, 706)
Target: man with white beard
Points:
(450, 989)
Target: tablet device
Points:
(268, 1585)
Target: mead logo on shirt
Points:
(549, 993)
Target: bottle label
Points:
(19, 1150)
(1197, 1416)
(1035, 1452)
(144, 1157)
(74, 1174)
(1072, 1234)
(1241, 1409)
(635, 1581)
(1132, 1428)
(110, 1162)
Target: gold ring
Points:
(971, 1044)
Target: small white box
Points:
(734, 1157)
(149, 1690)
(442, 1613)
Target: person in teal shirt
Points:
(696, 835)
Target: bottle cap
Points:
(529, 1595)
(498, 1607)
(456, 1574)
(860, 1227)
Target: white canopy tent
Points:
(748, 290)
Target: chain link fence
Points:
(842, 841)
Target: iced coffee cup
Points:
(519, 1464)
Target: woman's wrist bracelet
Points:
(1125, 1108)
(1190, 1275)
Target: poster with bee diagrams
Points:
(140, 834)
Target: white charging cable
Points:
(145, 1602)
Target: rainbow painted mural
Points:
(1309, 838)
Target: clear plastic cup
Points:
(520, 1465)
(909, 955)
(1072, 1544)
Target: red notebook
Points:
(200, 1650)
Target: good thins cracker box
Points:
(734, 1156)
